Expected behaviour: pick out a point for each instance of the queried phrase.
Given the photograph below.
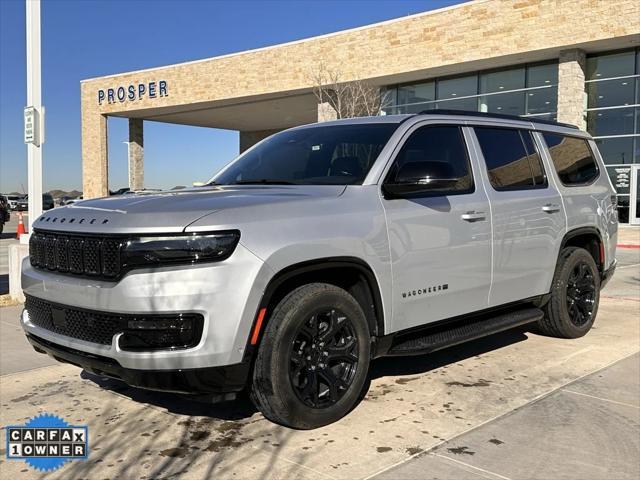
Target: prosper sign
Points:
(133, 92)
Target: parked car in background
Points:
(47, 203)
(120, 191)
(326, 246)
(69, 200)
(12, 201)
(5, 215)
(142, 190)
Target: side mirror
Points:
(421, 177)
(198, 184)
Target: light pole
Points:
(34, 112)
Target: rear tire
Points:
(313, 361)
(575, 295)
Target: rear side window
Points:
(438, 144)
(512, 160)
(572, 158)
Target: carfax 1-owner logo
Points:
(47, 442)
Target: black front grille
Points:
(140, 331)
(84, 325)
(76, 254)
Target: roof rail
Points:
(470, 113)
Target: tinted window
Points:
(511, 165)
(442, 145)
(320, 155)
(572, 158)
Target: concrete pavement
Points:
(522, 403)
(588, 429)
(7, 238)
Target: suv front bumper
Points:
(226, 294)
(226, 379)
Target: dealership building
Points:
(575, 61)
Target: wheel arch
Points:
(588, 238)
(350, 273)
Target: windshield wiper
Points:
(263, 181)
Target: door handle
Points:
(473, 216)
(551, 208)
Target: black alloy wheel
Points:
(312, 365)
(581, 289)
(324, 358)
(575, 293)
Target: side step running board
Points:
(444, 336)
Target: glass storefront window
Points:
(524, 90)
(614, 121)
(541, 100)
(609, 93)
(508, 103)
(460, 104)
(502, 81)
(617, 151)
(457, 87)
(611, 65)
(422, 92)
(542, 75)
(613, 90)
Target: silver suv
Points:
(323, 247)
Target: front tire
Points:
(575, 295)
(313, 360)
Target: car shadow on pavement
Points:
(215, 433)
(243, 408)
(236, 409)
(397, 366)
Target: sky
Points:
(89, 38)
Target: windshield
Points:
(319, 155)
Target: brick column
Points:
(326, 112)
(95, 176)
(136, 154)
(571, 75)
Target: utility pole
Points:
(34, 112)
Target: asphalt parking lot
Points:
(511, 406)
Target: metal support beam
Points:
(34, 149)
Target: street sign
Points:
(29, 125)
(33, 126)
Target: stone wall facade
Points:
(572, 65)
(462, 38)
(136, 154)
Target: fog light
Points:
(182, 331)
(161, 324)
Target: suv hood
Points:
(171, 211)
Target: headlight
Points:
(191, 248)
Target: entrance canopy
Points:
(261, 91)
